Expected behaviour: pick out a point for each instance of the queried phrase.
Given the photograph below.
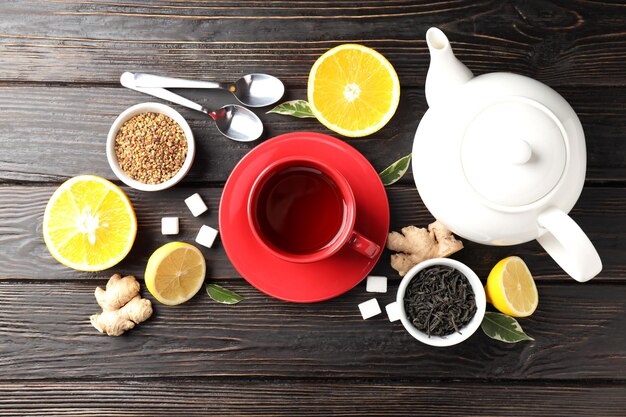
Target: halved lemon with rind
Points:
(511, 288)
(353, 90)
(175, 273)
(89, 224)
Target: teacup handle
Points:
(568, 245)
(363, 245)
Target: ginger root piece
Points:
(122, 306)
(418, 244)
(118, 292)
(116, 322)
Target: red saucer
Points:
(312, 282)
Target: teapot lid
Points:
(514, 152)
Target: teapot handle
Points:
(568, 245)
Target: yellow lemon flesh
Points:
(175, 273)
(511, 288)
(353, 90)
(89, 224)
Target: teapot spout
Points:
(446, 72)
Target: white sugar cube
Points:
(206, 236)
(376, 284)
(169, 225)
(393, 311)
(196, 205)
(369, 308)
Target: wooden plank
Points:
(23, 254)
(571, 43)
(51, 133)
(306, 398)
(580, 333)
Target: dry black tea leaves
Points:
(439, 301)
(151, 148)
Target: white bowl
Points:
(469, 328)
(149, 108)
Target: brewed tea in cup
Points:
(303, 210)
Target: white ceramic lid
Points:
(514, 152)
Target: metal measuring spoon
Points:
(254, 90)
(233, 121)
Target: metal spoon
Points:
(254, 90)
(233, 121)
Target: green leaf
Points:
(395, 171)
(503, 328)
(222, 295)
(296, 108)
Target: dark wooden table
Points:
(60, 63)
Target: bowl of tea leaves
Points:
(442, 302)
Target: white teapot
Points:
(500, 159)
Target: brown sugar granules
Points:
(151, 148)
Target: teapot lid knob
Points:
(519, 151)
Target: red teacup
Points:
(304, 211)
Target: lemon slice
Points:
(511, 288)
(89, 224)
(353, 90)
(175, 273)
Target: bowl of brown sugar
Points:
(150, 147)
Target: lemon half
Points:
(175, 273)
(89, 224)
(511, 288)
(353, 90)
